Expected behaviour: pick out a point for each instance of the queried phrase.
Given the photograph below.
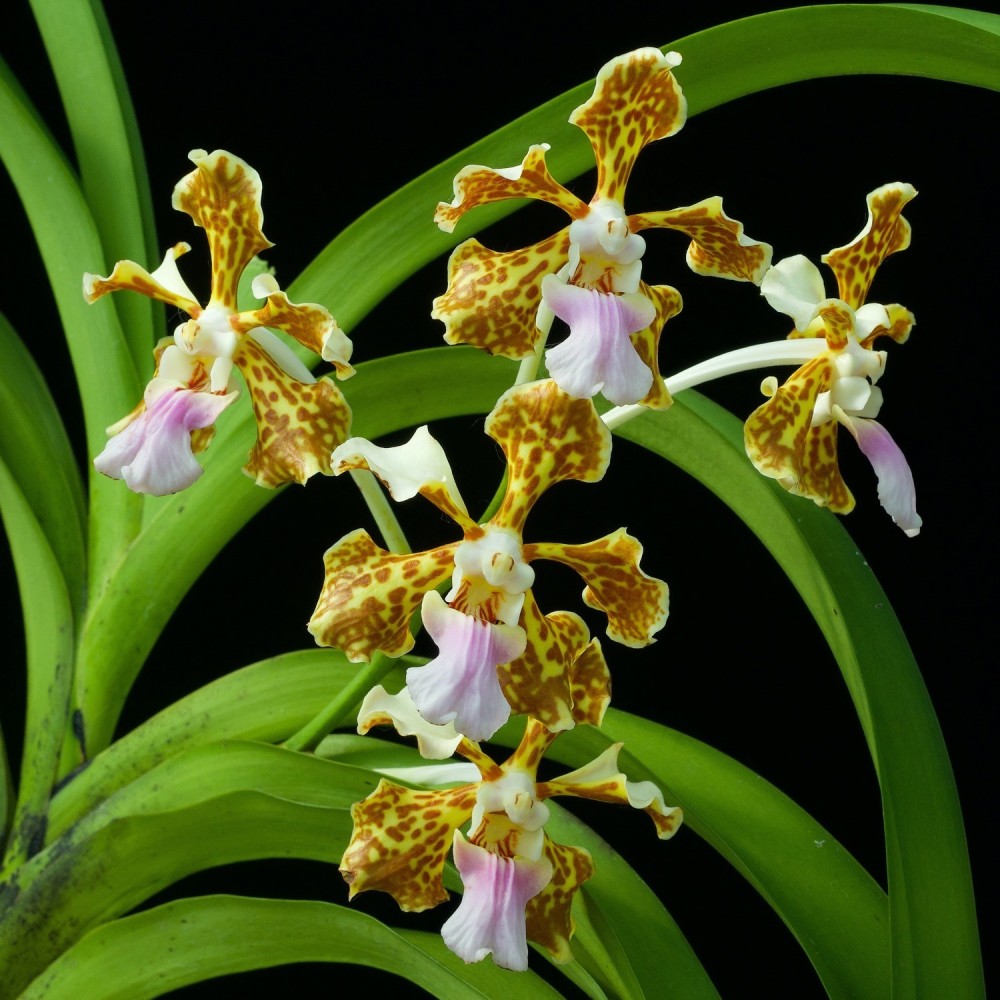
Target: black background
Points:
(336, 112)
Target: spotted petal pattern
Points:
(718, 246)
(222, 195)
(299, 420)
(298, 423)
(401, 840)
(636, 604)
(547, 436)
(549, 915)
(885, 233)
(492, 298)
(369, 595)
(636, 101)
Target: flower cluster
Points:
(498, 653)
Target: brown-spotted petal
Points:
(603, 781)
(668, 304)
(538, 683)
(401, 839)
(547, 436)
(636, 604)
(492, 298)
(901, 322)
(719, 247)
(590, 685)
(369, 595)
(298, 423)
(636, 100)
(222, 195)
(885, 232)
(782, 443)
(310, 324)
(165, 284)
(477, 185)
(549, 914)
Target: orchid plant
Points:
(450, 695)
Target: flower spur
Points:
(793, 436)
(588, 274)
(518, 883)
(498, 652)
(299, 419)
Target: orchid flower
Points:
(497, 651)
(793, 436)
(589, 274)
(299, 419)
(519, 884)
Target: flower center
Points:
(853, 391)
(604, 254)
(490, 577)
(211, 336)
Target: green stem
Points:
(336, 711)
(381, 510)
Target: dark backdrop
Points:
(337, 111)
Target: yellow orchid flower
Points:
(589, 274)
(299, 419)
(518, 883)
(793, 436)
(498, 652)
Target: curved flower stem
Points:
(381, 510)
(335, 712)
(779, 352)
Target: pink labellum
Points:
(460, 684)
(153, 453)
(490, 917)
(896, 491)
(598, 355)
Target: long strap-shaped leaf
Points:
(48, 628)
(189, 940)
(36, 449)
(935, 943)
(69, 243)
(108, 150)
